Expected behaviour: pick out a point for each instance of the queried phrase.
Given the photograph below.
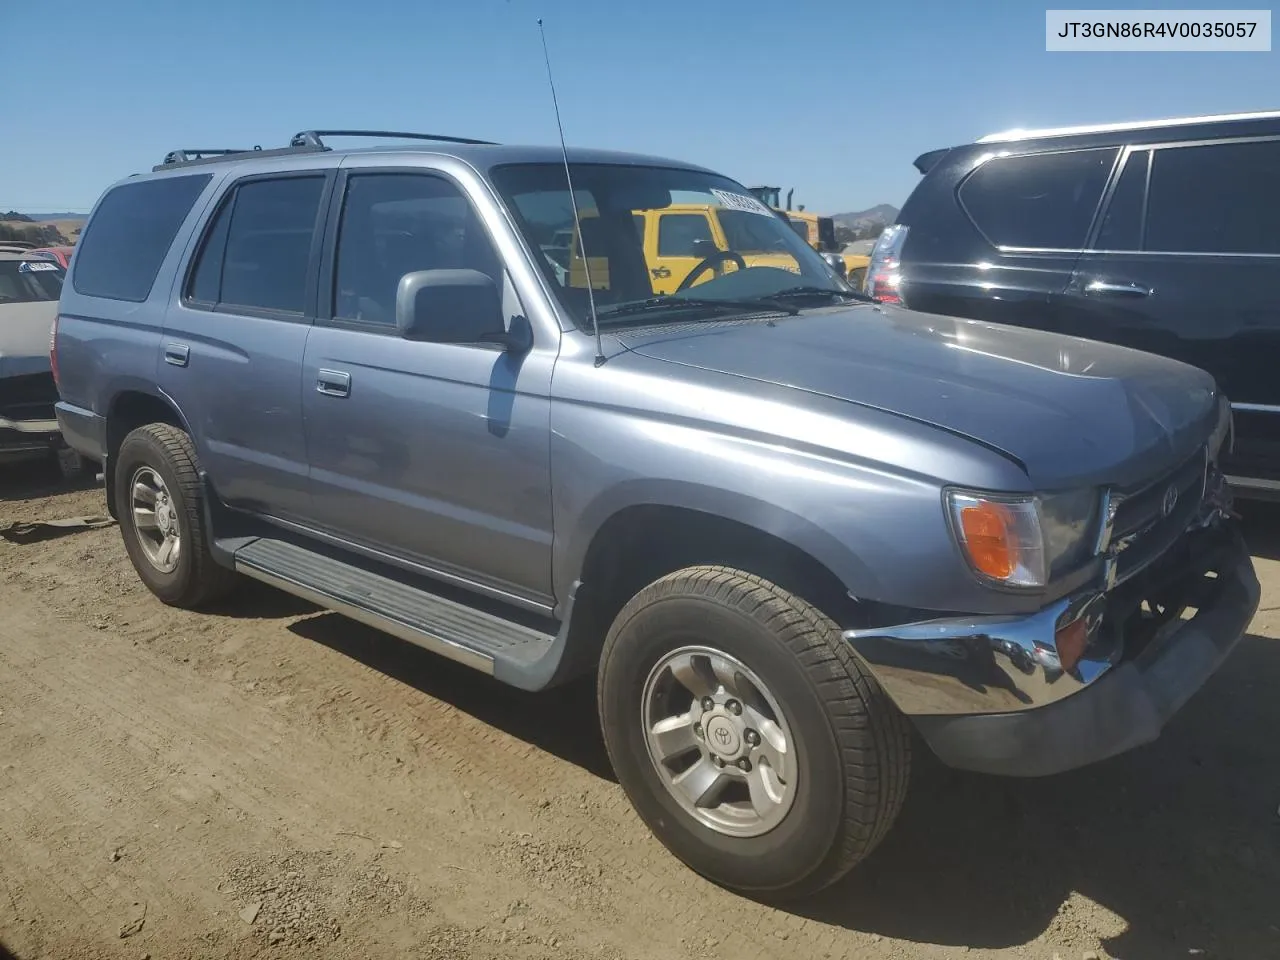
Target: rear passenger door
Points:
(1186, 263)
(435, 453)
(1032, 213)
(234, 341)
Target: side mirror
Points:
(835, 262)
(453, 306)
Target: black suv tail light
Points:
(883, 274)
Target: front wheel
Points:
(746, 735)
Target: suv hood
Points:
(1069, 411)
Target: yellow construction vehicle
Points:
(816, 230)
(674, 239)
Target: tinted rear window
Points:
(1042, 201)
(126, 240)
(29, 282)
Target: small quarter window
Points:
(1040, 201)
(1122, 225)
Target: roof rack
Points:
(311, 138)
(186, 158)
(308, 141)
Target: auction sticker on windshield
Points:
(740, 201)
(35, 266)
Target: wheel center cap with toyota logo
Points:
(722, 737)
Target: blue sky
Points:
(835, 99)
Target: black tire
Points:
(853, 746)
(197, 579)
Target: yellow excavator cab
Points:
(816, 230)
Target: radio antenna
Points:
(573, 201)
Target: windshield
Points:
(30, 281)
(680, 242)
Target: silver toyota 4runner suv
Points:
(783, 526)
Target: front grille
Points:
(1144, 526)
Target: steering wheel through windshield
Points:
(706, 263)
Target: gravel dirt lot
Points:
(274, 781)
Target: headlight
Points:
(1024, 541)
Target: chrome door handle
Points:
(1103, 288)
(333, 383)
(177, 353)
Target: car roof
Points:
(1107, 134)
(483, 157)
(1034, 134)
(24, 255)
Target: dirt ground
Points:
(275, 781)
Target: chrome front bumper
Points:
(991, 693)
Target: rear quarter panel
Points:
(107, 347)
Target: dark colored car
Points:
(1162, 235)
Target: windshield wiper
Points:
(798, 292)
(659, 304)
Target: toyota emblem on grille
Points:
(1170, 501)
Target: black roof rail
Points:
(186, 158)
(308, 141)
(311, 138)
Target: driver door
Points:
(672, 250)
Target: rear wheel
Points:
(746, 735)
(160, 504)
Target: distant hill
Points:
(44, 229)
(881, 213)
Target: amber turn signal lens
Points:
(1071, 641)
(988, 530)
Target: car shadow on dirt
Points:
(561, 722)
(32, 479)
(1261, 523)
(254, 600)
(1180, 840)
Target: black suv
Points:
(1162, 235)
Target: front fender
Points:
(883, 535)
(744, 508)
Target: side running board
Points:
(515, 653)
